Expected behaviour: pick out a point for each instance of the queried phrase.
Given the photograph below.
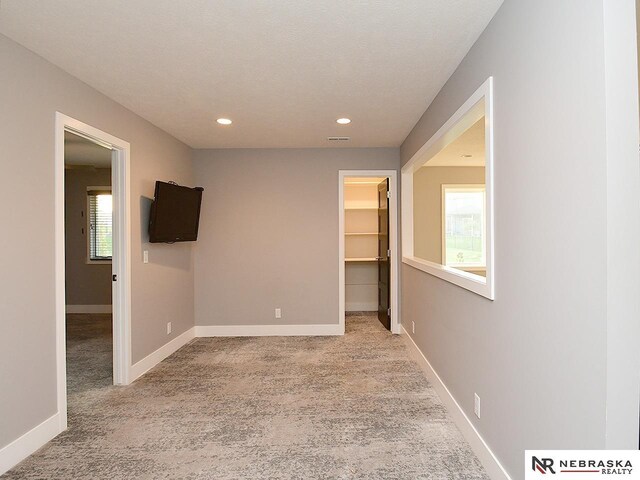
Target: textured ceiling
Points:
(283, 70)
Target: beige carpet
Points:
(352, 407)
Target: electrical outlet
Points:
(145, 256)
(476, 405)
(168, 328)
(413, 327)
(278, 313)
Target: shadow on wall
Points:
(180, 253)
(145, 212)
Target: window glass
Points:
(100, 226)
(464, 243)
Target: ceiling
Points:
(471, 142)
(283, 71)
(79, 151)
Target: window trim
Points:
(469, 113)
(467, 187)
(89, 260)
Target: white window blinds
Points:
(100, 225)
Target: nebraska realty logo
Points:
(583, 464)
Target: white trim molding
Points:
(489, 461)
(89, 308)
(154, 358)
(479, 105)
(27, 444)
(121, 266)
(267, 330)
(392, 175)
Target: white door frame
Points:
(392, 175)
(121, 265)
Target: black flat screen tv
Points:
(175, 213)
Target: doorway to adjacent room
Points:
(88, 269)
(93, 270)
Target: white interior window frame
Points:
(467, 187)
(91, 261)
(469, 113)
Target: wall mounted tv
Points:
(175, 213)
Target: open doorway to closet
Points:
(368, 254)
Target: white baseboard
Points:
(28, 443)
(89, 309)
(154, 358)
(492, 465)
(361, 307)
(267, 330)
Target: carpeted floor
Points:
(89, 358)
(352, 407)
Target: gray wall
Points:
(269, 233)
(537, 355)
(31, 91)
(86, 284)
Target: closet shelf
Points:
(361, 208)
(362, 233)
(366, 259)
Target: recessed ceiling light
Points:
(466, 155)
(224, 121)
(343, 121)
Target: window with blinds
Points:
(100, 225)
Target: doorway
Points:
(107, 198)
(368, 246)
(88, 257)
